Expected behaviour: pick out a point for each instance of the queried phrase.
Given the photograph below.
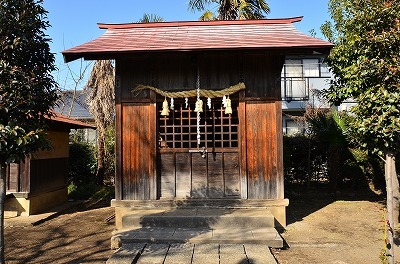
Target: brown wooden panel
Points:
(13, 174)
(167, 175)
(279, 139)
(127, 193)
(59, 146)
(48, 174)
(260, 72)
(132, 73)
(263, 144)
(262, 75)
(270, 171)
(161, 71)
(219, 71)
(118, 133)
(183, 175)
(231, 174)
(138, 150)
(215, 177)
(25, 175)
(152, 141)
(242, 146)
(118, 152)
(255, 116)
(199, 176)
(7, 178)
(174, 73)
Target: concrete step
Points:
(210, 218)
(10, 214)
(232, 235)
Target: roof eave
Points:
(288, 20)
(68, 57)
(69, 122)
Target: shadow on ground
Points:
(67, 238)
(304, 201)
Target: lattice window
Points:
(217, 129)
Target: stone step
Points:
(232, 235)
(210, 218)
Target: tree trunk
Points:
(396, 195)
(100, 157)
(3, 167)
(390, 173)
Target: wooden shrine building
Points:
(169, 152)
(40, 181)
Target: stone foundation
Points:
(26, 204)
(276, 207)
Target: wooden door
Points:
(206, 170)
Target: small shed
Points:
(168, 150)
(41, 180)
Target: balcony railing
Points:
(296, 80)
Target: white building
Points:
(302, 80)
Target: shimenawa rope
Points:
(193, 93)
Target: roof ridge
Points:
(289, 20)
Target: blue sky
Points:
(74, 22)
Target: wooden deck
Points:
(192, 254)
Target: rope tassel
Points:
(165, 109)
(199, 106)
(228, 109)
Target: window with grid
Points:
(217, 129)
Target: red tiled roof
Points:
(195, 35)
(70, 122)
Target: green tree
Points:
(27, 88)
(329, 129)
(231, 9)
(366, 66)
(147, 18)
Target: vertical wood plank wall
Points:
(189, 175)
(260, 139)
(138, 151)
(18, 176)
(45, 170)
(264, 150)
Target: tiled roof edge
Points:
(201, 23)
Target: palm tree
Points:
(232, 9)
(147, 18)
(100, 88)
(331, 129)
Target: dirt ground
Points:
(323, 230)
(79, 235)
(337, 232)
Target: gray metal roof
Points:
(80, 109)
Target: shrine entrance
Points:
(205, 168)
